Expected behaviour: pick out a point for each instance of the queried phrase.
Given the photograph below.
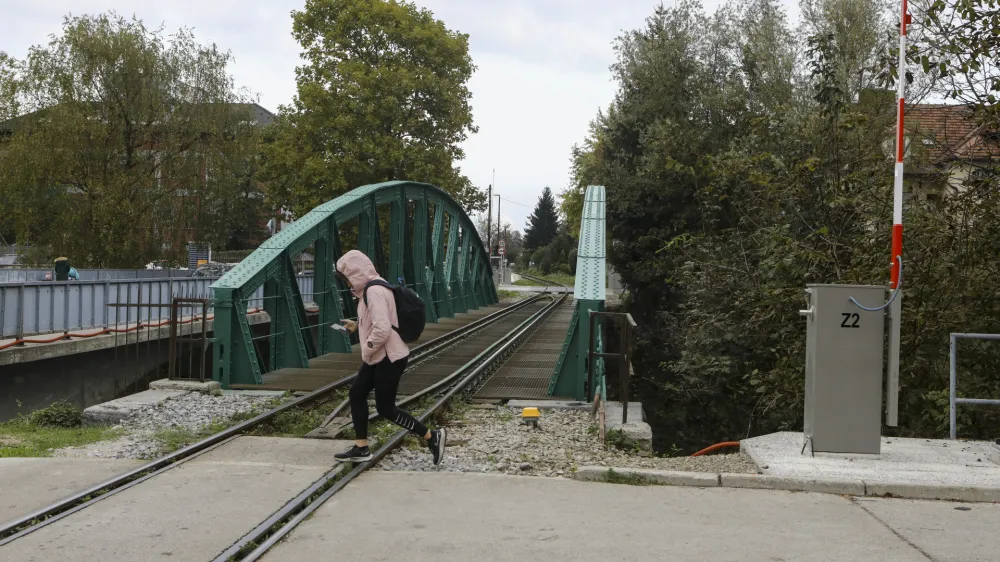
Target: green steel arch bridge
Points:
(416, 234)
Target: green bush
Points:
(724, 203)
(60, 414)
(546, 265)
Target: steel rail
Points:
(299, 508)
(26, 524)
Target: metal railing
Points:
(28, 309)
(953, 399)
(196, 341)
(624, 357)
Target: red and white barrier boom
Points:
(892, 382)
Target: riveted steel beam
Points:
(439, 265)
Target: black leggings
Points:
(384, 378)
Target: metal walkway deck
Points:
(527, 374)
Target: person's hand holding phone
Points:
(349, 326)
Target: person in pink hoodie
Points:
(384, 356)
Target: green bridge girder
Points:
(435, 250)
(589, 293)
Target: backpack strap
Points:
(376, 282)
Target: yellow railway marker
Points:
(531, 416)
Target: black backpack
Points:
(409, 310)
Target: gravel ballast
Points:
(190, 412)
(495, 440)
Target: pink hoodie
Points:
(376, 320)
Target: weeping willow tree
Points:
(121, 144)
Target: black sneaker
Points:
(354, 454)
(436, 445)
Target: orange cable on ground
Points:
(9, 344)
(100, 332)
(47, 340)
(716, 447)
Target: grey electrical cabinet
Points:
(844, 350)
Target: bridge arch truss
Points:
(424, 240)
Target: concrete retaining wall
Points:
(91, 371)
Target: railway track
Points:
(430, 362)
(261, 539)
(442, 369)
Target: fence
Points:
(953, 399)
(62, 306)
(596, 356)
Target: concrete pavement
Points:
(191, 512)
(29, 484)
(446, 516)
(941, 530)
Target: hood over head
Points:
(358, 269)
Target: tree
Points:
(543, 223)
(480, 222)
(383, 96)
(9, 107)
(723, 191)
(960, 47)
(735, 177)
(861, 31)
(127, 142)
(515, 245)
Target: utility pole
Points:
(489, 215)
(892, 378)
(506, 242)
(498, 219)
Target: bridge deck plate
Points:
(527, 374)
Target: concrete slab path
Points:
(191, 512)
(918, 462)
(29, 484)
(434, 517)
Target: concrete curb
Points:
(934, 492)
(204, 387)
(665, 477)
(843, 487)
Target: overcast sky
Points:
(542, 68)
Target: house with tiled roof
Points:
(946, 147)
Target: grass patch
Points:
(455, 410)
(560, 278)
(505, 415)
(613, 477)
(176, 438)
(297, 422)
(41, 432)
(504, 294)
